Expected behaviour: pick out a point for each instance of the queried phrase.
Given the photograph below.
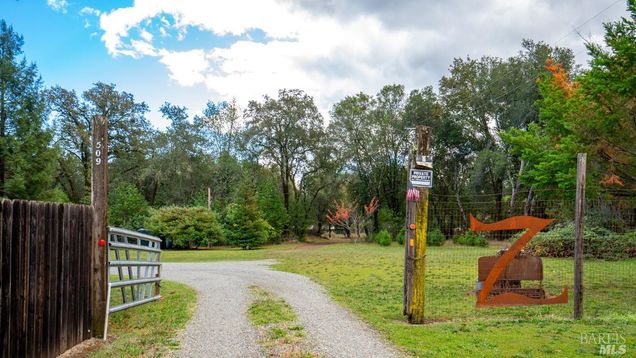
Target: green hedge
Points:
(470, 238)
(598, 242)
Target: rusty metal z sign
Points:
(533, 225)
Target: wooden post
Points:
(209, 198)
(417, 227)
(578, 238)
(99, 200)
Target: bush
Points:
(186, 227)
(470, 238)
(599, 243)
(389, 221)
(383, 238)
(400, 236)
(435, 237)
(245, 226)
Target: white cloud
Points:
(58, 5)
(90, 11)
(330, 49)
(145, 35)
(187, 68)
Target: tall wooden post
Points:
(99, 200)
(419, 182)
(578, 235)
(209, 198)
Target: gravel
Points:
(220, 327)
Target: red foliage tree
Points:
(349, 218)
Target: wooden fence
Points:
(45, 277)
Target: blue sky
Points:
(191, 51)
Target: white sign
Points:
(421, 178)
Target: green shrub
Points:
(598, 243)
(127, 208)
(383, 238)
(470, 238)
(186, 227)
(400, 236)
(390, 221)
(435, 237)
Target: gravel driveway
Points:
(220, 327)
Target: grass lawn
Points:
(280, 334)
(223, 254)
(368, 280)
(150, 330)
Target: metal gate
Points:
(134, 268)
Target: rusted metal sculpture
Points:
(502, 275)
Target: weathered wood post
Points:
(420, 179)
(581, 160)
(209, 198)
(99, 201)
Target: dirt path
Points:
(220, 327)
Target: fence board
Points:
(6, 243)
(45, 253)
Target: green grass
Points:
(279, 333)
(268, 310)
(368, 280)
(150, 330)
(222, 254)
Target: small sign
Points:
(422, 178)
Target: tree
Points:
(549, 146)
(127, 208)
(347, 216)
(220, 123)
(371, 138)
(179, 165)
(270, 203)
(27, 161)
(607, 118)
(594, 114)
(128, 130)
(488, 96)
(285, 131)
(244, 223)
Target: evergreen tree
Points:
(244, 223)
(26, 157)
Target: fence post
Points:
(578, 235)
(99, 200)
(417, 223)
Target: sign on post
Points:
(421, 178)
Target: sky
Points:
(188, 52)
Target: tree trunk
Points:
(515, 189)
(461, 209)
(527, 208)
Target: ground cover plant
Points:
(279, 332)
(150, 330)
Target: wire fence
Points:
(609, 268)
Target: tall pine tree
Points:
(26, 156)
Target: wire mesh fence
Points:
(609, 268)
